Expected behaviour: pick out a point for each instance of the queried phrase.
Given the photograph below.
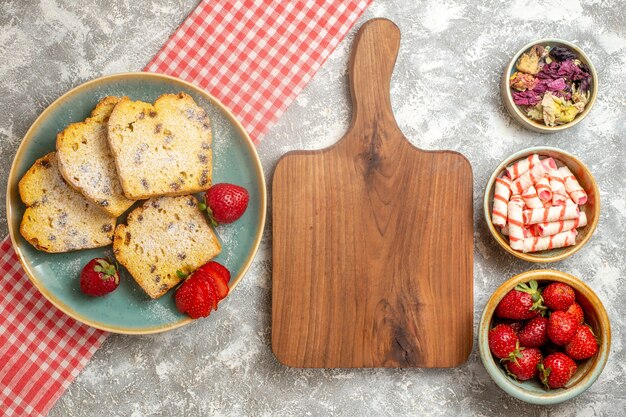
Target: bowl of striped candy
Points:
(542, 204)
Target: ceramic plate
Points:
(128, 309)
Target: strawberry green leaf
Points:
(543, 374)
(103, 263)
(211, 218)
(516, 354)
(532, 288)
(105, 267)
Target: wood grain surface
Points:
(372, 238)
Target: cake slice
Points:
(162, 236)
(161, 149)
(57, 217)
(86, 162)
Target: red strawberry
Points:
(558, 296)
(524, 302)
(218, 276)
(524, 366)
(195, 296)
(221, 269)
(557, 369)
(577, 311)
(503, 341)
(221, 286)
(583, 345)
(516, 325)
(534, 333)
(561, 327)
(227, 202)
(99, 277)
(211, 287)
(202, 290)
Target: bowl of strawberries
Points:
(544, 337)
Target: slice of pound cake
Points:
(86, 162)
(162, 236)
(161, 149)
(57, 217)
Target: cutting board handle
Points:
(371, 66)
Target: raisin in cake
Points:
(57, 217)
(162, 236)
(161, 149)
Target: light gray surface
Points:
(445, 95)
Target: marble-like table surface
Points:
(445, 96)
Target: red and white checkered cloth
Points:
(41, 349)
(255, 56)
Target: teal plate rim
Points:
(120, 77)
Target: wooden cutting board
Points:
(372, 238)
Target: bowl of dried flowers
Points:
(549, 85)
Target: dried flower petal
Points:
(565, 95)
(568, 113)
(565, 69)
(529, 61)
(521, 82)
(547, 84)
(526, 98)
(580, 98)
(556, 85)
(535, 112)
(585, 83)
(540, 51)
(561, 53)
(557, 111)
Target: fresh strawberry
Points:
(523, 302)
(503, 341)
(516, 325)
(218, 276)
(202, 290)
(212, 288)
(583, 345)
(534, 333)
(226, 202)
(221, 286)
(558, 296)
(195, 297)
(577, 311)
(99, 277)
(561, 327)
(556, 370)
(524, 366)
(221, 269)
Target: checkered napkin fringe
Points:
(255, 56)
